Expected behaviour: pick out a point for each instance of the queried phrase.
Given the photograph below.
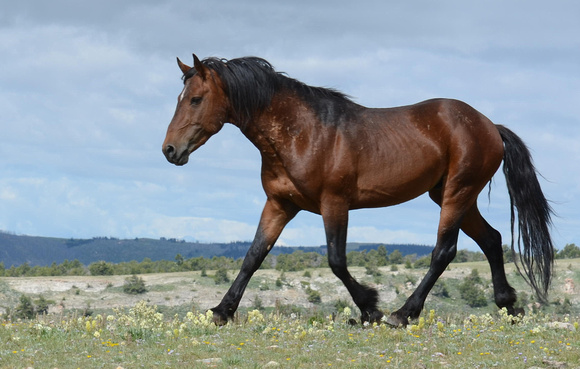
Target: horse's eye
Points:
(195, 100)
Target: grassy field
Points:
(162, 330)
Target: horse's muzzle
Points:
(173, 156)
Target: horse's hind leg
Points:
(489, 240)
(453, 209)
(335, 217)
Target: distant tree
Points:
(298, 260)
(101, 268)
(371, 258)
(570, 251)
(23, 269)
(508, 255)
(382, 258)
(146, 266)
(396, 257)
(423, 262)
(355, 258)
(179, 259)
(462, 256)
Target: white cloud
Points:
(87, 91)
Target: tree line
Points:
(296, 261)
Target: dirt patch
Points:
(190, 289)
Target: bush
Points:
(101, 268)
(221, 276)
(440, 289)
(258, 303)
(423, 262)
(473, 295)
(340, 304)
(25, 310)
(471, 290)
(42, 305)
(373, 270)
(134, 285)
(313, 296)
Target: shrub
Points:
(440, 289)
(42, 305)
(471, 290)
(257, 303)
(221, 276)
(313, 296)
(423, 262)
(25, 310)
(134, 285)
(373, 270)
(101, 268)
(340, 304)
(473, 295)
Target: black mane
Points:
(251, 82)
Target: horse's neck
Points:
(274, 127)
(265, 133)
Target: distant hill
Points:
(16, 250)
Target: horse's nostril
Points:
(169, 151)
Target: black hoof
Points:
(374, 316)
(396, 320)
(517, 312)
(219, 319)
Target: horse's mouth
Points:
(181, 160)
(176, 157)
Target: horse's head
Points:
(201, 112)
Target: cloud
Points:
(89, 89)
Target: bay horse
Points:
(323, 153)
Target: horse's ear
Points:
(184, 68)
(199, 67)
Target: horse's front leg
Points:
(335, 217)
(274, 218)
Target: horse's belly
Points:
(381, 191)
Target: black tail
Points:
(534, 214)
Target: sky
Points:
(87, 90)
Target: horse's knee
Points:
(443, 256)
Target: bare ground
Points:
(190, 289)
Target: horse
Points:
(321, 152)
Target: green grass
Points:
(292, 333)
(142, 337)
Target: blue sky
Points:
(87, 90)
